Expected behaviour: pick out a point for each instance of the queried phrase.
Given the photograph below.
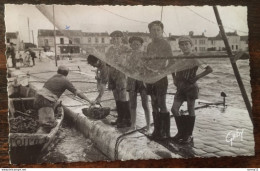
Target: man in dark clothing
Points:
(32, 54)
(159, 48)
(47, 97)
(11, 52)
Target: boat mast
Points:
(233, 63)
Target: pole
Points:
(29, 30)
(234, 66)
(32, 37)
(54, 36)
(161, 12)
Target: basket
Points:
(96, 112)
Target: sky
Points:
(177, 20)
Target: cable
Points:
(215, 22)
(144, 22)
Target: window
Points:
(202, 48)
(202, 42)
(96, 39)
(8, 40)
(89, 40)
(77, 40)
(236, 47)
(232, 47)
(103, 40)
(70, 41)
(61, 41)
(46, 42)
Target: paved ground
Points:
(218, 131)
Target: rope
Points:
(215, 22)
(143, 22)
(119, 139)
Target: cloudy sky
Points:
(177, 20)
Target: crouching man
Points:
(47, 97)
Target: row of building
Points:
(76, 41)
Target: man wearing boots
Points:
(187, 90)
(159, 48)
(116, 80)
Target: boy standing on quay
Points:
(159, 48)
(136, 86)
(187, 90)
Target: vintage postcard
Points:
(105, 83)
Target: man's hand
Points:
(193, 80)
(98, 100)
(92, 103)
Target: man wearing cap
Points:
(11, 52)
(187, 90)
(51, 92)
(159, 48)
(117, 80)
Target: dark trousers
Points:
(14, 61)
(33, 61)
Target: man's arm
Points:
(101, 90)
(82, 95)
(207, 71)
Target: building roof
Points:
(140, 34)
(11, 35)
(59, 32)
(92, 34)
(244, 38)
(173, 37)
(198, 36)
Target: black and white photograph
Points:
(106, 83)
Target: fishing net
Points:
(137, 65)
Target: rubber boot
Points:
(180, 127)
(165, 124)
(118, 108)
(156, 131)
(189, 126)
(126, 115)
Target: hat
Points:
(185, 39)
(131, 39)
(157, 22)
(116, 34)
(63, 68)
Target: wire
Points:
(144, 22)
(214, 22)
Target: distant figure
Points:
(136, 86)
(32, 54)
(187, 90)
(11, 52)
(40, 55)
(48, 96)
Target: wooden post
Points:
(54, 36)
(233, 63)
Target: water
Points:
(71, 146)
(222, 79)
